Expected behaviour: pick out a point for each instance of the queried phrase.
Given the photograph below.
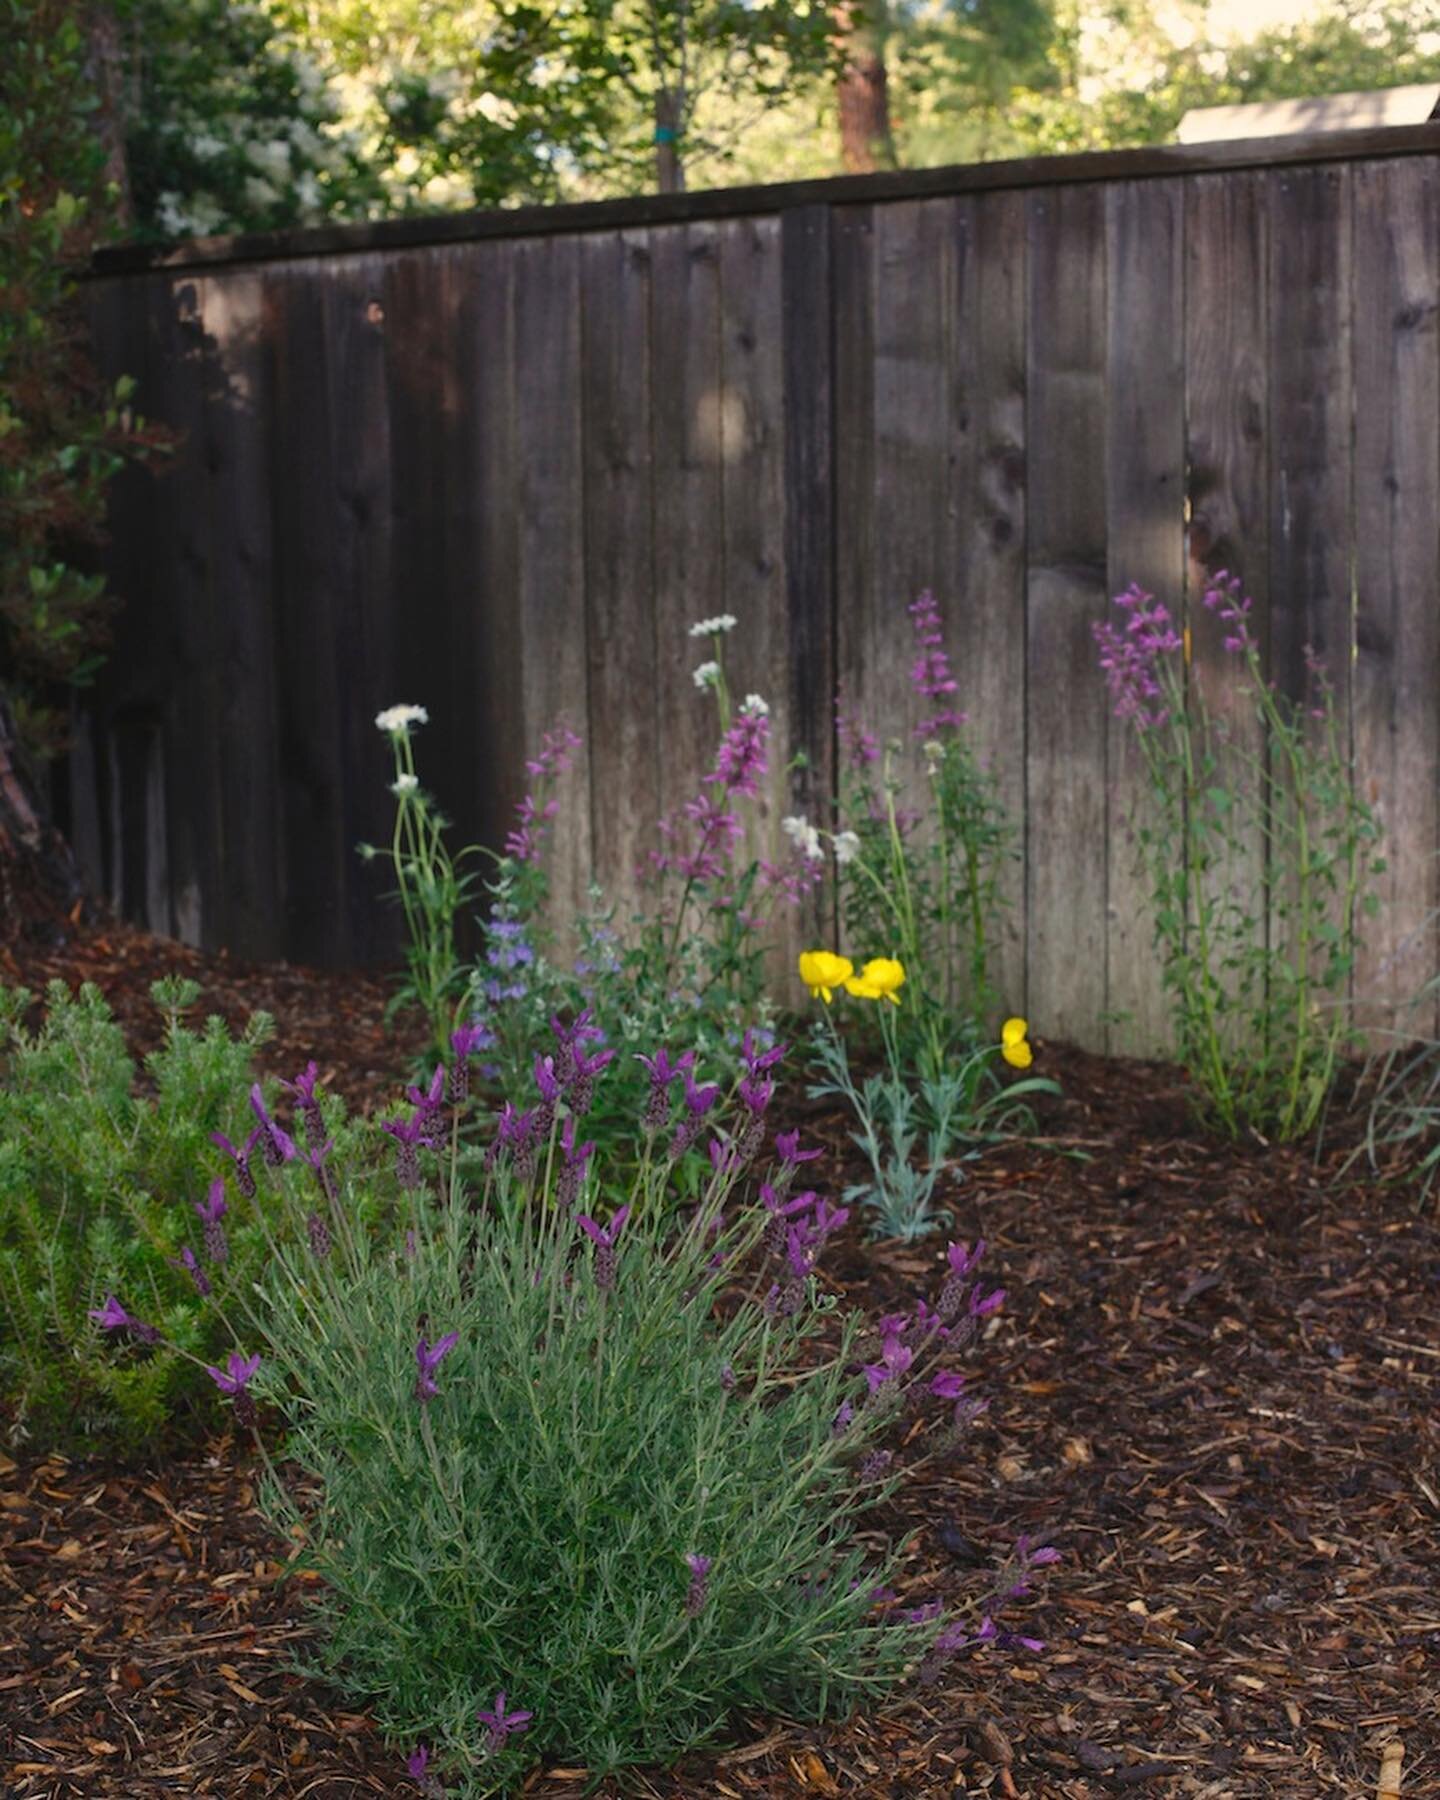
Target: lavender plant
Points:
(1256, 966)
(588, 1483)
(100, 1192)
(951, 1111)
(925, 882)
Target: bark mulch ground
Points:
(1214, 1385)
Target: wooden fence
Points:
(496, 464)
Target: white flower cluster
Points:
(847, 847)
(707, 675)
(401, 718)
(716, 627)
(404, 784)
(756, 707)
(804, 836)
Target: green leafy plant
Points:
(104, 1171)
(1257, 850)
(959, 1105)
(1402, 1082)
(588, 1481)
(925, 882)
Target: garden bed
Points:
(1214, 1385)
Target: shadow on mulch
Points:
(1214, 1385)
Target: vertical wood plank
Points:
(619, 569)
(248, 907)
(1397, 575)
(807, 350)
(753, 500)
(1227, 406)
(853, 260)
(1145, 520)
(687, 401)
(1066, 760)
(986, 554)
(551, 564)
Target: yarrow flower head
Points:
(404, 784)
(705, 675)
(804, 836)
(846, 845)
(398, 719)
(755, 706)
(715, 627)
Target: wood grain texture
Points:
(1396, 696)
(1145, 539)
(619, 551)
(1227, 404)
(985, 554)
(1066, 752)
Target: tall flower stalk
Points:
(1258, 848)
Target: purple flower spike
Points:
(787, 1147)
(502, 1724)
(235, 1380)
(240, 1155)
(945, 1384)
(604, 1238)
(930, 674)
(429, 1357)
(111, 1316)
(992, 1302)
(417, 1762)
(212, 1211)
(278, 1145)
(188, 1261)
(699, 1567)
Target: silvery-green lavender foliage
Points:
(102, 1190)
(588, 1479)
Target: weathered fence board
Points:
(498, 470)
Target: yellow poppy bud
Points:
(823, 971)
(1019, 1055)
(880, 979)
(1013, 1031)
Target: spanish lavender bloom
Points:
(724, 1155)
(699, 1567)
(463, 1043)
(319, 1234)
(781, 1212)
(188, 1261)
(234, 1380)
(515, 1132)
(844, 1417)
(502, 1724)
(895, 1359)
(662, 1073)
(112, 1316)
(922, 1614)
(277, 1144)
(787, 1144)
(829, 1218)
(547, 1083)
(992, 1302)
(415, 1766)
(428, 1358)
(581, 1091)
(303, 1088)
(212, 1211)
(963, 1262)
(429, 1104)
(930, 674)
(946, 1384)
(760, 1052)
(698, 1102)
(572, 1170)
(727, 1379)
(604, 1238)
(407, 1134)
(572, 1040)
(874, 1465)
(240, 1156)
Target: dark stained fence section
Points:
(500, 469)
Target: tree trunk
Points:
(39, 882)
(862, 91)
(669, 115)
(105, 60)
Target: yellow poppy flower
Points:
(1013, 1046)
(823, 971)
(880, 979)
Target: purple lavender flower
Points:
(463, 1043)
(428, 1358)
(787, 1145)
(416, 1764)
(319, 1234)
(895, 1360)
(963, 1263)
(188, 1261)
(502, 1724)
(843, 1419)
(727, 1379)
(699, 1567)
(946, 1384)
(278, 1146)
(874, 1466)
(234, 1380)
(212, 1211)
(698, 1102)
(572, 1169)
(760, 1052)
(662, 1073)
(581, 1092)
(303, 1088)
(548, 1085)
(1131, 657)
(724, 1155)
(240, 1155)
(605, 1238)
(515, 1132)
(571, 1041)
(1224, 598)
(981, 1308)
(112, 1316)
(407, 1134)
(781, 1212)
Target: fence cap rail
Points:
(421, 230)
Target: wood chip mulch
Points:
(1215, 1385)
